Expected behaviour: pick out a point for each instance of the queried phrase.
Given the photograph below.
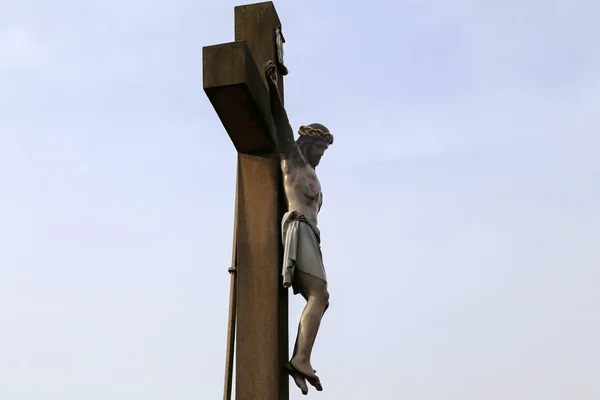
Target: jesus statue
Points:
(303, 267)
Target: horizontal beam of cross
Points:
(236, 89)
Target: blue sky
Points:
(461, 224)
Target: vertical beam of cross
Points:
(235, 84)
(262, 345)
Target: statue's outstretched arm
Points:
(284, 132)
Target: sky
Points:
(461, 223)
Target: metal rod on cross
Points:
(232, 310)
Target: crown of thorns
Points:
(316, 133)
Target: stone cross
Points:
(235, 84)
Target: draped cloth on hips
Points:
(301, 248)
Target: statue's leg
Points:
(299, 325)
(298, 378)
(317, 302)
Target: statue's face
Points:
(316, 151)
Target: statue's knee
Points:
(321, 298)
(325, 298)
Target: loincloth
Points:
(301, 249)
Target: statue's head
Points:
(313, 141)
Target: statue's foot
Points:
(299, 380)
(307, 371)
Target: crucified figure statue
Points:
(303, 267)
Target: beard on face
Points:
(314, 160)
(305, 144)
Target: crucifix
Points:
(235, 85)
(244, 82)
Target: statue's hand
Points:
(271, 73)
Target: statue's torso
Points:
(302, 189)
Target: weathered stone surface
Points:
(236, 89)
(235, 85)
